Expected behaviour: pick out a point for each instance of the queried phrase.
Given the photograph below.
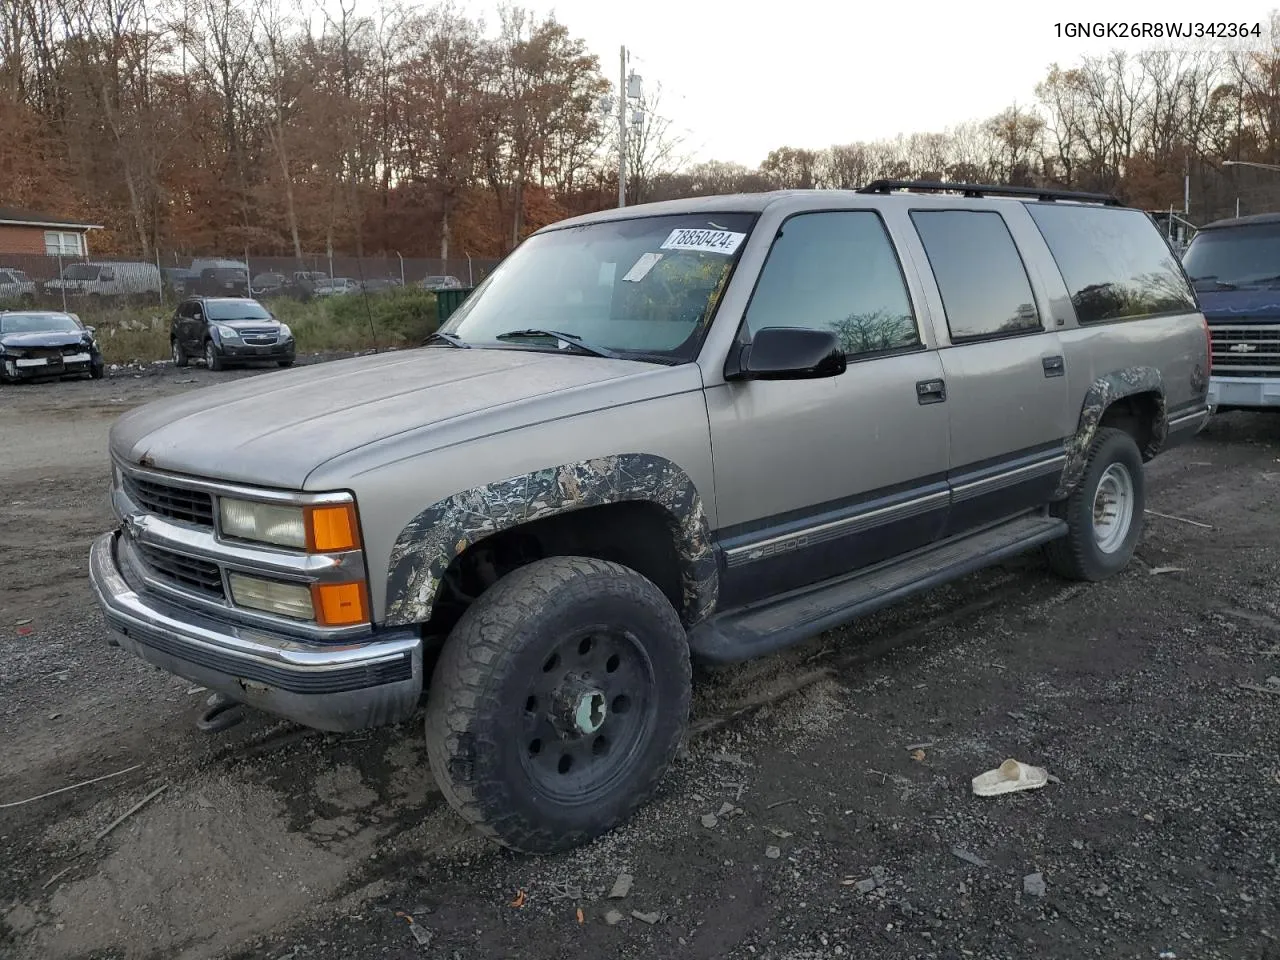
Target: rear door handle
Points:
(931, 391)
(1053, 366)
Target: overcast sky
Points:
(739, 79)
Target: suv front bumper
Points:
(337, 686)
(234, 350)
(1253, 392)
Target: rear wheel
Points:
(179, 353)
(1104, 513)
(212, 359)
(558, 703)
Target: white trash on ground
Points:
(1009, 777)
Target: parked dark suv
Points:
(228, 329)
(221, 282)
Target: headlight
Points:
(285, 332)
(272, 596)
(229, 332)
(322, 527)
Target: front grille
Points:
(1251, 350)
(199, 575)
(176, 503)
(259, 338)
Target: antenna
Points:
(364, 293)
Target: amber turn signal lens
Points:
(332, 527)
(340, 604)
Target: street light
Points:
(1250, 163)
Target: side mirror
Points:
(788, 353)
(107, 275)
(91, 330)
(198, 315)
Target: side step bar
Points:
(780, 622)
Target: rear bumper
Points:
(1255, 392)
(346, 686)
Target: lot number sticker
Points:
(703, 241)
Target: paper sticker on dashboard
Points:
(641, 268)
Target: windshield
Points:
(645, 286)
(236, 310)
(37, 323)
(1247, 256)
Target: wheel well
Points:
(636, 534)
(1136, 415)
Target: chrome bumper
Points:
(1248, 392)
(334, 686)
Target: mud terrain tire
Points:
(558, 703)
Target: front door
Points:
(815, 478)
(1005, 371)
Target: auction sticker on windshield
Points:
(703, 241)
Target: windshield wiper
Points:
(570, 338)
(1214, 279)
(1250, 281)
(448, 338)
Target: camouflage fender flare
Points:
(1105, 391)
(428, 543)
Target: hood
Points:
(1239, 305)
(275, 429)
(49, 339)
(247, 324)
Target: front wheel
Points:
(212, 359)
(1104, 513)
(558, 703)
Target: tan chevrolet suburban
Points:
(706, 428)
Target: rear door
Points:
(1003, 365)
(815, 478)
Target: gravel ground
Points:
(821, 807)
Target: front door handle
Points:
(1053, 366)
(931, 391)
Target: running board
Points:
(771, 625)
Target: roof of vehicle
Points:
(758, 202)
(1252, 220)
(227, 299)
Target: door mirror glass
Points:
(790, 353)
(107, 275)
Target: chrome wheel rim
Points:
(174, 352)
(208, 355)
(1113, 508)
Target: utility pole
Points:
(622, 128)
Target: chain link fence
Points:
(71, 282)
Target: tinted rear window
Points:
(1115, 263)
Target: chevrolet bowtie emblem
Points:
(1243, 348)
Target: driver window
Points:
(836, 271)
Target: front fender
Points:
(1103, 392)
(428, 543)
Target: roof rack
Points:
(983, 190)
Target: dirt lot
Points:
(1160, 838)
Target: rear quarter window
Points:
(1114, 262)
